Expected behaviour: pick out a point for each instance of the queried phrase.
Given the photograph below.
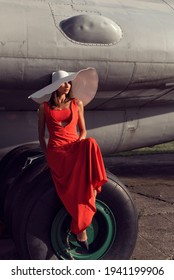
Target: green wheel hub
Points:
(101, 235)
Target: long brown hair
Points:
(53, 99)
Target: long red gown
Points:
(76, 167)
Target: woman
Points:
(75, 161)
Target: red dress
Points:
(76, 167)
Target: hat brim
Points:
(84, 86)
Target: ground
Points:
(150, 180)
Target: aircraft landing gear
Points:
(38, 221)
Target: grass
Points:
(157, 149)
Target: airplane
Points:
(131, 46)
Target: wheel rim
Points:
(101, 235)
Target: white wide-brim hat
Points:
(84, 85)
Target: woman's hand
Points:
(81, 137)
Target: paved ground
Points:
(150, 179)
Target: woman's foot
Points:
(82, 236)
(84, 245)
(82, 240)
(95, 193)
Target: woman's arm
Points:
(41, 127)
(81, 121)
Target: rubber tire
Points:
(31, 231)
(11, 166)
(33, 204)
(116, 196)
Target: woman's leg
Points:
(82, 236)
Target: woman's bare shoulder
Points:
(41, 108)
(42, 105)
(79, 102)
